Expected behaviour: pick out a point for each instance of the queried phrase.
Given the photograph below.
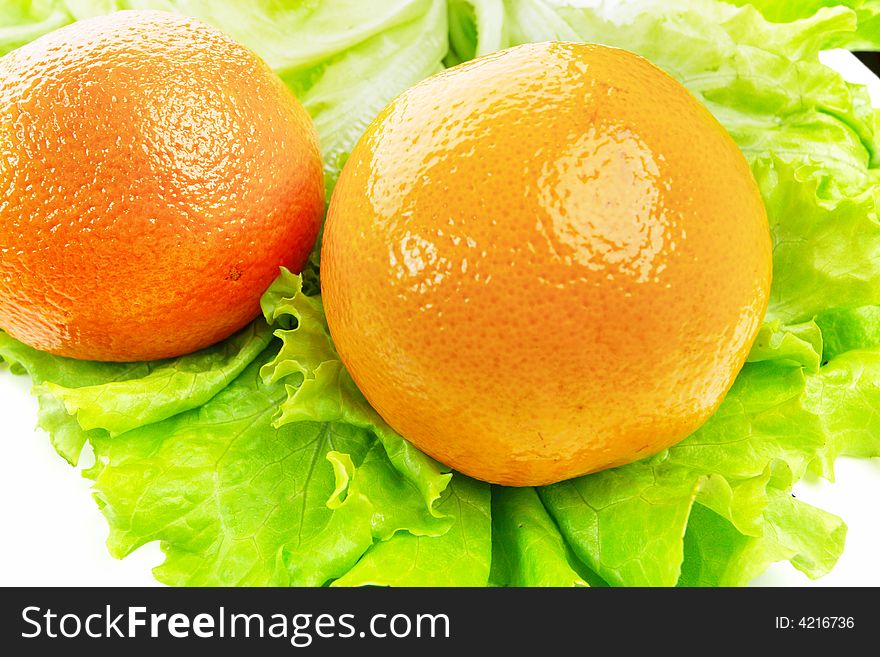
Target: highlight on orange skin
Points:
(156, 174)
(545, 262)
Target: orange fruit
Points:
(155, 174)
(545, 262)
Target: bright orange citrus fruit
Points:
(545, 262)
(155, 174)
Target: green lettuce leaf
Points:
(527, 548)
(67, 436)
(867, 37)
(718, 555)
(845, 329)
(627, 523)
(719, 552)
(459, 557)
(22, 22)
(800, 345)
(164, 388)
(234, 500)
(80, 400)
(235, 496)
(845, 395)
(827, 245)
(320, 389)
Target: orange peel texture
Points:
(545, 262)
(155, 175)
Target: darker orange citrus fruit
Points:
(545, 262)
(155, 175)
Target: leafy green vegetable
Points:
(259, 462)
(718, 555)
(197, 452)
(459, 557)
(798, 344)
(626, 523)
(846, 397)
(320, 389)
(165, 389)
(527, 548)
(234, 501)
(867, 37)
(844, 329)
(827, 248)
(22, 22)
(82, 400)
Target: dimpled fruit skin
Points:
(155, 174)
(545, 262)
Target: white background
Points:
(51, 532)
